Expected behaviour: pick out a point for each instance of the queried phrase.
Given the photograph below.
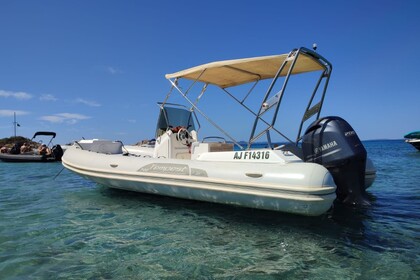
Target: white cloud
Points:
(15, 94)
(9, 113)
(73, 116)
(88, 102)
(67, 118)
(112, 70)
(53, 119)
(47, 97)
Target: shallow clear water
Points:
(71, 228)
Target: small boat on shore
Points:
(413, 138)
(24, 152)
(325, 162)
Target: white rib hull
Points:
(297, 187)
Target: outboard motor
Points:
(57, 151)
(332, 142)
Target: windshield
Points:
(170, 117)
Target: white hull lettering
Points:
(349, 133)
(325, 147)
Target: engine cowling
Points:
(58, 152)
(332, 142)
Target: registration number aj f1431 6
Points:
(252, 155)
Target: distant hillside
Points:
(18, 139)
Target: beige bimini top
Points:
(228, 73)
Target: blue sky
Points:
(95, 69)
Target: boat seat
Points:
(198, 148)
(101, 146)
(218, 144)
(220, 147)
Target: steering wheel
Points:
(184, 136)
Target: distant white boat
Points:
(305, 176)
(413, 138)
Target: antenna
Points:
(15, 123)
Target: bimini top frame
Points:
(45, 133)
(230, 73)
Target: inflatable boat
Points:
(45, 154)
(325, 162)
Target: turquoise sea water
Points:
(71, 228)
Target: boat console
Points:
(172, 145)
